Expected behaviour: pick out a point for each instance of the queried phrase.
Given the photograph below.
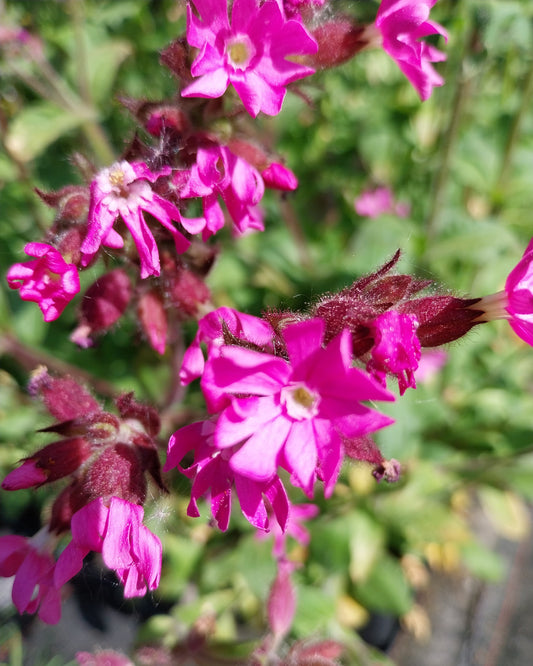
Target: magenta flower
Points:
(219, 172)
(396, 348)
(123, 190)
(294, 413)
(402, 25)
(373, 203)
(212, 330)
(249, 53)
(212, 476)
(29, 560)
(46, 280)
(117, 532)
(515, 302)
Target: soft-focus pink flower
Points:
(396, 348)
(373, 203)
(293, 413)
(295, 528)
(431, 361)
(29, 560)
(127, 546)
(212, 330)
(219, 172)
(47, 280)
(124, 190)
(250, 52)
(403, 24)
(102, 658)
(213, 477)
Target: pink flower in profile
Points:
(127, 546)
(46, 280)
(396, 348)
(515, 302)
(294, 413)
(213, 476)
(250, 52)
(29, 560)
(402, 25)
(295, 528)
(373, 203)
(219, 172)
(123, 190)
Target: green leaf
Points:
(385, 589)
(103, 65)
(482, 562)
(39, 125)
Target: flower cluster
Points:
(106, 458)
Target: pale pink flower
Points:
(46, 280)
(295, 528)
(294, 413)
(250, 52)
(29, 560)
(515, 302)
(402, 25)
(396, 348)
(124, 190)
(127, 546)
(373, 203)
(431, 362)
(219, 172)
(213, 477)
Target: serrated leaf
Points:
(39, 125)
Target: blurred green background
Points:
(463, 160)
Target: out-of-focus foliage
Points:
(463, 160)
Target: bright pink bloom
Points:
(124, 190)
(403, 24)
(212, 330)
(212, 476)
(373, 203)
(117, 532)
(47, 280)
(294, 413)
(249, 53)
(396, 348)
(219, 172)
(515, 303)
(29, 560)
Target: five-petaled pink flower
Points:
(213, 476)
(249, 53)
(403, 24)
(294, 413)
(46, 280)
(29, 560)
(127, 546)
(124, 190)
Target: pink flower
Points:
(213, 476)
(123, 190)
(102, 658)
(396, 348)
(47, 280)
(402, 24)
(431, 361)
(117, 532)
(294, 413)
(213, 330)
(30, 562)
(295, 528)
(218, 171)
(249, 53)
(373, 203)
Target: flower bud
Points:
(153, 319)
(63, 397)
(338, 40)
